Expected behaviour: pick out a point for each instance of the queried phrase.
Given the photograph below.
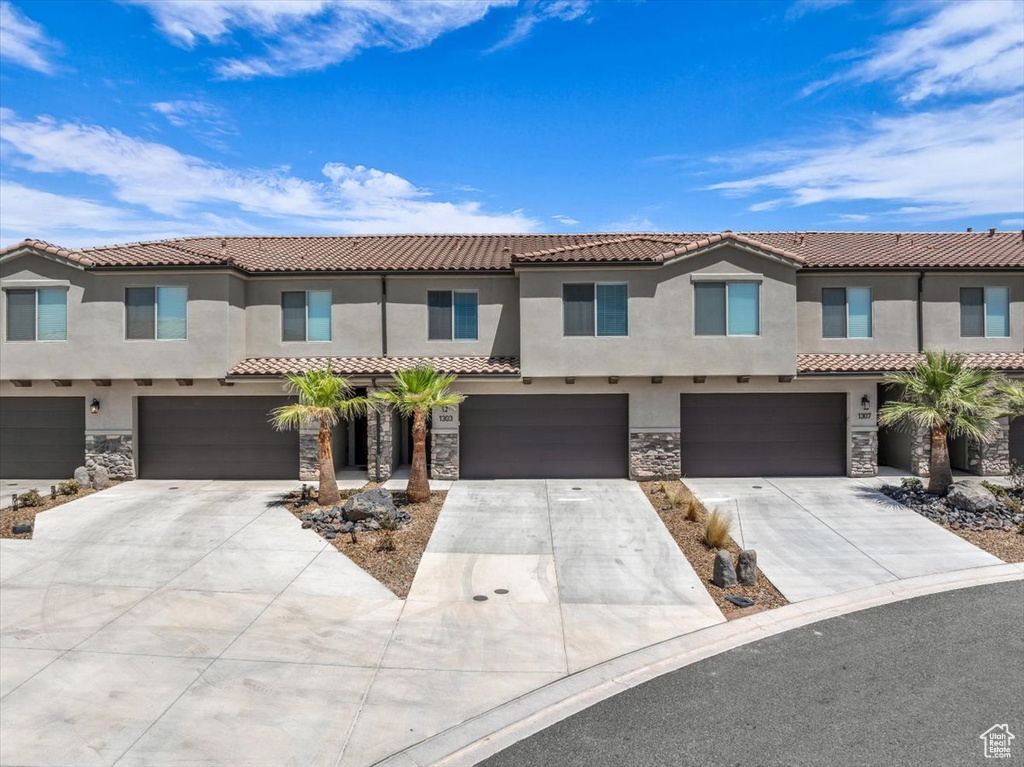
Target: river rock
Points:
(724, 575)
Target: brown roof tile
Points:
(375, 366)
(502, 252)
(810, 364)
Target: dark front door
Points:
(544, 436)
(214, 438)
(763, 435)
(41, 437)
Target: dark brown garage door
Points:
(763, 435)
(41, 437)
(214, 438)
(1017, 440)
(544, 436)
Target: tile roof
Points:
(502, 252)
(810, 364)
(375, 366)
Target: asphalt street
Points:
(911, 683)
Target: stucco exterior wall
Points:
(661, 338)
(941, 310)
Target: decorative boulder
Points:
(973, 498)
(724, 575)
(100, 478)
(373, 504)
(746, 568)
(82, 477)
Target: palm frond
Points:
(420, 388)
(323, 397)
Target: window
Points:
(985, 312)
(727, 308)
(306, 315)
(452, 315)
(846, 312)
(37, 314)
(159, 313)
(600, 309)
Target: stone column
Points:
(863, 452)
(991, 458)
(115, 452)
(444, 455)
(654, 454)
(383, 417)
(309, 461)
(921, 451)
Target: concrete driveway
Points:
(824, 536)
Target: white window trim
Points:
(156, 315)
(307, 339)
(595, 284)
(35, 293)
(846, 303)
(453, 339)
(729, 334)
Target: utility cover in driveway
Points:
(544, 436)
(763, 435)
(214, 438)
(41, 437)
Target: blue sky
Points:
(141, 120)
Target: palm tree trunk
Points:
(940, 475)
(418, 489)
(328, 494)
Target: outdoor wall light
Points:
(865, 402)
(613, 379)
(742, 379)
(570, 380)
(94, 406)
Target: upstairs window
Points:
(306, 315)
(452, 315)
(727, 308)
(37, 314)
(160, 313)
(985, 312)
(846, 312)
(595, 309)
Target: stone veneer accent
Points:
(921, 452)
(384, 417)
(114, 452)
(444, 455)
(863, 452)
(309, 460)
(654, 455)
(991, 458)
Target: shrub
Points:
(1012, 504)
(716, 529)
(68, 487)
(1017, 475)
(693, 510)
(675, 496)
(386, 540)
(30, 498)
(912, 483)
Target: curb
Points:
(492, 731)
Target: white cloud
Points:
(307, 35)
(967, 48)
(637, 223)
(537, 11)
(801, 8)
(1016, 223)
(24, 41)
(186, 190)
(210, 123)
(957, 161)
(566, 220)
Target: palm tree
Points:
(324, 400)
(416, 392)
(1013, 398)
(951, 399)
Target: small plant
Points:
(693, 510)
(388, 524)
(716, 530)
(997, 490)
(1012, 504)
(1016, 475)
(386, 540)
(68, 487)
(30, 498)
(1020, 529)
(675, 496)
(912, 483)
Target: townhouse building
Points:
(600, 355)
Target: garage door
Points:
(41, 437)
(763, 435)
(1017, 440)
(214, 438)
(544, 436)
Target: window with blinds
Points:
(306, 315)
(37, 314)
(985, 312)
(159, 312)
(452, 315)
(727, 308)
(595, 309)
(846, 312)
